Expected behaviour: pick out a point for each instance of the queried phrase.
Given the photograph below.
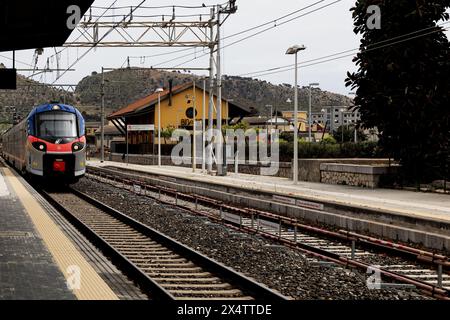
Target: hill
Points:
(127, 85)
(16, 104)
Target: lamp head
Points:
(295, 48)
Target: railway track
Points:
(163, 267)
(424, 270)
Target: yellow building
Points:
(302, 117)
(177, 110)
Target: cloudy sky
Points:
(324, 32)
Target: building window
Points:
(190, 113)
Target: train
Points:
(50, 143)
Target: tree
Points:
(348, 134)
(403, 84)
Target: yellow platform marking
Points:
(91, 285)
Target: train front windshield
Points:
(56, 125)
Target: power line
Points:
(82, 33)
(24, 63)
(259, 32)
(163, 7)
(98, 41)
(303, 65)
(272, 21)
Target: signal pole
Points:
(102, 119)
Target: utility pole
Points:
(194, 144)
(102, 119)
(309, 111)
(203, 125)
(211, 95)
(219, 152)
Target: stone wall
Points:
(309, 169)
(247, 168)
(354, 174)
(312, 170)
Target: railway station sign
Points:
(140, 127)
(268, 224)
(310, 205)
(234, 218)
(284, 199)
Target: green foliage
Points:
(328, 140)
(243, 125)
(330, 150)
(347, 134)
(166, 133)
(403, 89)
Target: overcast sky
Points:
(324, 32)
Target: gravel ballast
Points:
(280, 268)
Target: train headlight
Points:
(77, 146)
(40, 146)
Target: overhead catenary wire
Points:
(81, 35)
(98, 41)
(164, 7)
(261, 31)
(320, 60)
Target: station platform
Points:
(415, 204)
(37, 260)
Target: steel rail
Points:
(411, 253)
(156, 290)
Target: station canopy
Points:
(30, 24)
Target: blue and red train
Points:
(49, 143)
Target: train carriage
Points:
(50, 142)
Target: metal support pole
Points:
(236, 162)
(279, 230)
(102, 120)
(194, 133)
(203, 125)
(219, 152)
(128, 156)
(309, 115)
(295, 164)
(295, 233)
(159, 129)
(353, 249)
(211, 96)
(439, 276)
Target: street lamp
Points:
(158, 91)
(342, 124)
(270, 117)
(294, 50)
(356, 132)
(309, 110)
(325, 120)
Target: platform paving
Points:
(27, 268)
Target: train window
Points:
(56, 125)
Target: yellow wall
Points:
(175, 115)
(301, 117)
